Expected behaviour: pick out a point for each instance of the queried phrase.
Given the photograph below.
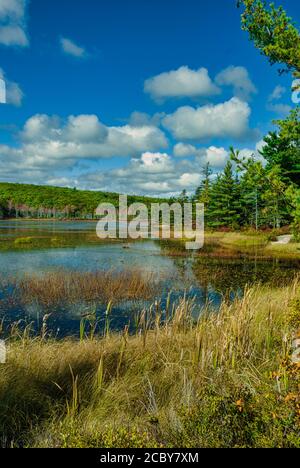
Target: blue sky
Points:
(131, 96)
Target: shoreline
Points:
(250, 244)
(230, 382)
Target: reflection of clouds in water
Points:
(49, 226)
(203, 280)
(144, 256)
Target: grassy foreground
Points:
(225, 381)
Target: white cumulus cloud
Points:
(183, 82)
(184, 150)
(49, 145)
(157, 174)
(228, 119)
(216, 157)
(239, 79)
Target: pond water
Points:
(30, 248)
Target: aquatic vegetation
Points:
(250, 244)
(224, 380)
(61, 287)
(23, 241)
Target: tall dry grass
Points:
(223, 381)
(53, 289)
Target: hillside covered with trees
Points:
(38, 201)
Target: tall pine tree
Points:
(224, 209)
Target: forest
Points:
(38, 201)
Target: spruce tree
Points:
(202, 194)
(225, 205)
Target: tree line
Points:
(257, 193)
(38, 201)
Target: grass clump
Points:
(225, 380)
(23, 241)
(57, 288)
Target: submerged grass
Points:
(226, 380)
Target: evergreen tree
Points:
(183, 197)
(283, 147)
(293, 196)
(273, 33)
(224, 208)
(202, 194)
(274, 199)
(252, 182)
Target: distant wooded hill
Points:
(39, 201)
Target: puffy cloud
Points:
(250, 153)
(183, 150)
(216, 157)
(12, 23)
(85, 128)
(157, 174)
(239, 79)
(188, 180)
(151, 173)
(50, 146)
(70, 48)
(14, 94)
(183, 82)
(84, 136)
(228, 119)
(189, 83)
(141, 119)
(12, 9)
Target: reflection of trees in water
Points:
(211, 271)
(224, 274)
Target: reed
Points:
(58, 288)
(221, 380)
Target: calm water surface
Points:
(203, 278)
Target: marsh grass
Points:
(225, 380)
(250, 244)
(57, 288)
(23, 241)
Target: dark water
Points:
(69, 247)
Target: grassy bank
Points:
(225, 381)
(219, 244)
(234, 244)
